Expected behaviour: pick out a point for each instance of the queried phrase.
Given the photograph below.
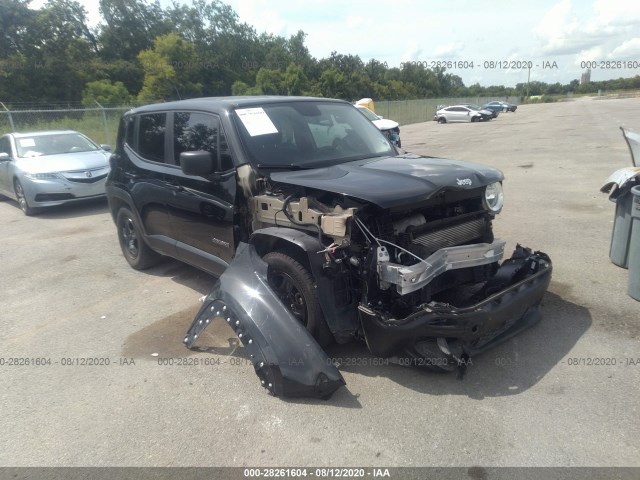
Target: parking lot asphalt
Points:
(69, 295)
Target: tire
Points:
(137, 253)
(442, 120)
(27, 209)
(505, 109)
(295, 287)
(474, 119)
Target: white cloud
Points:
(592, 54)
(448, 51)
(616, 12)
(412, 52)
(355, 21)
(259, 14)
(558, 31)
(629, 49)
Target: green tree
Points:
(130, 27)
(295, 80)
(105, 93)
(171, 70)
(332, 83)
(15, 20)
(270, 82)
(48, 51)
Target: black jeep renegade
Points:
(320, 230)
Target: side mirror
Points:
(198, 163)
(4, 157)
(380, 116)
(105, 147)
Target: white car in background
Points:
(390, 128)
(462, 113)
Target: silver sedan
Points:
(43, 169)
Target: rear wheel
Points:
(137, 253)
(442, 120)
(22, 199)
(295, 287)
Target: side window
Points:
(5, 146)
(130, 131)
(126, 132)
(200, 131)
(151, 136)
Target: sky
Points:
(555, 37)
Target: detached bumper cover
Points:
(476, 328)
(286, 358)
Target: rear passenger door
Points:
(201, 209)
(145, 175)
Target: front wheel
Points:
(137, 253)
(295, 287)
(27, 209)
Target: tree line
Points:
(142, 53)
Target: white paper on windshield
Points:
(26, 142)
(256, 121)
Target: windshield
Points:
(53, 144)
(368, 114)
(308, 134)
(473, 106)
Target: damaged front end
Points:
(436, 336)
(410, 267)
(441, 336)
(286, 358)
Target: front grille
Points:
(53, 197)
(92, 175)
(87, 180)
(452, 235)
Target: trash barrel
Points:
(634, 246)
(619, 251)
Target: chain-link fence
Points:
(415, 111)
(100, 124)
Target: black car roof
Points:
(226, 104)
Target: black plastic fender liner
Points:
(342, 319)
(286, 358)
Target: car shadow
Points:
(183, 274)
(509, 369)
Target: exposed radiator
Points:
(452, 235)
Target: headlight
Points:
(42, 176)
(494, 197)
